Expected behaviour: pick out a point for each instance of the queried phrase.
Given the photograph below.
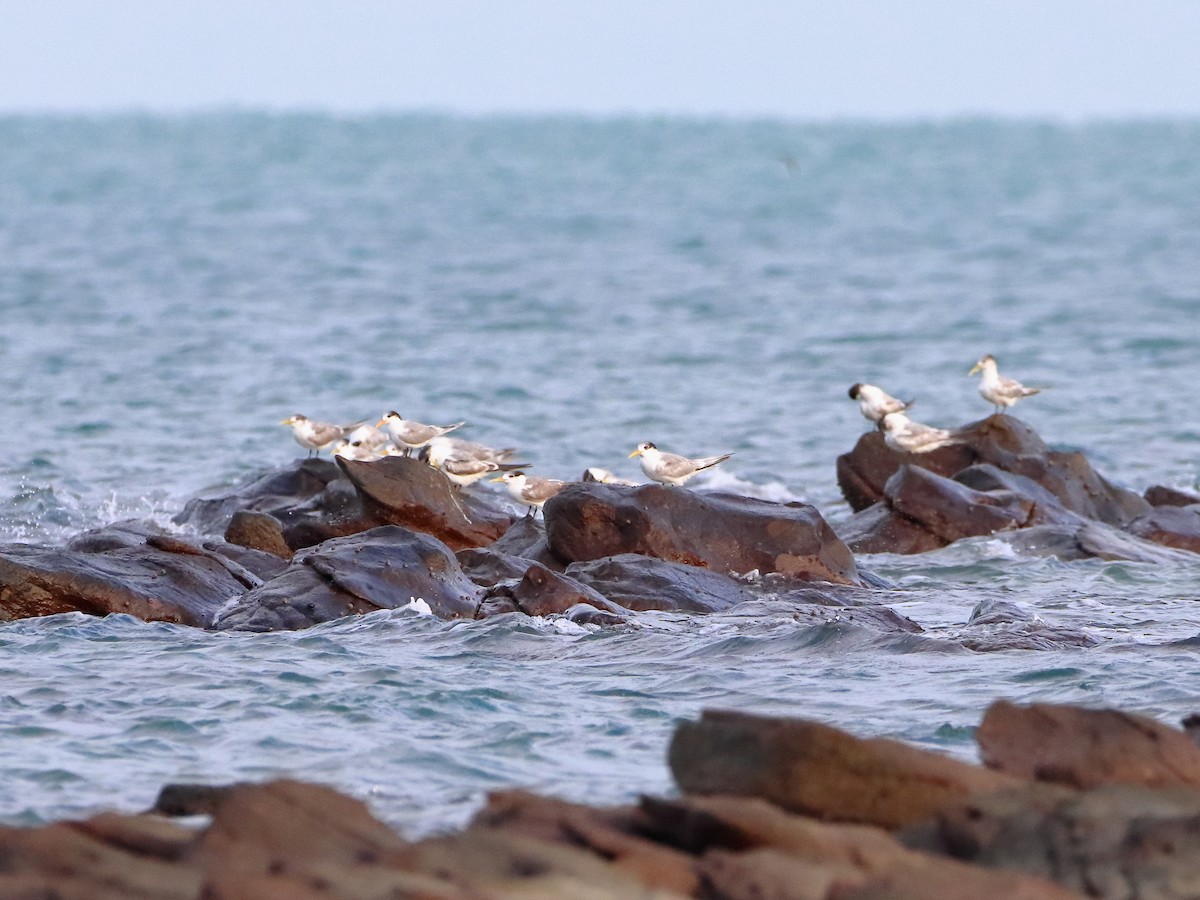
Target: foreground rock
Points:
(385, 568)
(722, 532)
(131, 568)
(772, 808)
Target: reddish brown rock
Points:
(384, 568)
(722, 532)
(642, 582)
(1160, 495)
(751, 849)
(1084, 747)
(161, 580)
(1171, 526)
(1001, 441)
(879, 529)
(1112, 841)
(276, 492)
(540, 592)
(817, 770)
(258, 531)
(407, 492)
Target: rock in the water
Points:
(879, 529)
(541, 592)
(817, 770)
(1160, 495)
(168, 580)
(486, 566)
(407, 492)
(722, 532)
(1171, 526)
(643, 582)
(276, 492)
(1006, 443)
(384, 568)
(258, 531)
(527, 538)
(1084, 748)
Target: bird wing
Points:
(324, 433)
(539, 490)
(707, 462)
(465, 466)
(671, 465)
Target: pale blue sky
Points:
(1066, 58)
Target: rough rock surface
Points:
(541, 592)
(1160, 495)
(1001, 478)
(810, 768)
(277, 492)
(384, 568)
(407, 492)
(722, 532)
(129, 568)
(643, 582)
(1086, 747)
(1114, 841)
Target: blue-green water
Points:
(170, 288)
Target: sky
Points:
(885, 59)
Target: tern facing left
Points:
(875, 403)
(315, 436)
(530, 489)
(1001, 392)
(903, 434)
(670, 468)
(412, 435)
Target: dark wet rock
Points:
(1084, 748)
(879, 529)
(586, 614)
(1191, 727)
(277, 492)
(486, 566)
(952, 511)
(1089, 540)
(1006, 443)
(1171, 526)
(258, 531)
(813, 769)
(1046, 508)
(384, 568)
(999, 625)
(817, 610)
(407, 492)
(527, 538)
(163, 579)
(1114, 841)
(1160, 495)
(541, 592)
(115, 536)
(643, 582)
(722, 532)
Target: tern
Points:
(875, 403)
(412, 435)
(999, 391)
(530, 489)
(316, 436)
(670, 468)
(903, 434)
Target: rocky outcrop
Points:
(722, 532)
(385, 568)
(288, 492)
(643, 582)
(1001, 478)
(131, 568)
(1160, 495)
(541, 592)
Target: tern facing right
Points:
(670, 468)
(875, 402)
(530, 489)
(1001, 392)
(412, 435)
(903, 434)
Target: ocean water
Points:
(172, 287)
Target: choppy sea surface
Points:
(172, 287)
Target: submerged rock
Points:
(541, 592)
(385, 568)
(722, 532)
(643, 582)
(1171, 526)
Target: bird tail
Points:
(707, 462)
(450, 428)
(1029, 392)
(511, 467)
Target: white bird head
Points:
(986, 362)
(645, 447)
(512, 479)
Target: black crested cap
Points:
(854, 389)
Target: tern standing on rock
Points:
(463, 469)
(316, 436)
(903, 434)
(411, 435)
(669, 468)
(531, 490)
(875, 402)
(1001, 392)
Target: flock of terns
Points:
(465, 462)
